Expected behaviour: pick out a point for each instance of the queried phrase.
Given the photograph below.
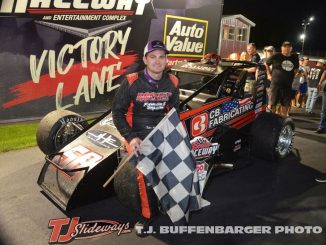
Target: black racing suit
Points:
(137, 108)
(140, 105)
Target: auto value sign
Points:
(185, 37)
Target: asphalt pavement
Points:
(274, 195)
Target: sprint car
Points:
(220, 112)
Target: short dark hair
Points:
(252, 44)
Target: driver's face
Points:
(156, 61)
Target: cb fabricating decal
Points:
(68, 229)
(185, 37)
(103, 139)
(219, 115)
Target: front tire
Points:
(56, 128)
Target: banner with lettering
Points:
(72, 54)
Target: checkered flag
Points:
(169, 166)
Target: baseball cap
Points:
(154, 45)
(322, 61)
(286, 43)
(305, 58)
(269, 48)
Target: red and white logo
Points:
(68, 229)
(77, 157)
(202, 148)
(199, 124)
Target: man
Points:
(285, 66)
(261, 74)
(322, 86)
(316, 75)
(142, 101)
(322, 125)
(304, 70)
(252, 56)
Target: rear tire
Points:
(56, 128)
(271, 136)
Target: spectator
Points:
(304, 69)
(285, 66)
(322, 125)
(261, 74)
(253, 56)
(315, 76)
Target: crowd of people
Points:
(289, 80)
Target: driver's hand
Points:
(135, 145)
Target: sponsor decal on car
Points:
(103, 139)
(202, 169)
(199, 124)
(66, 230)
(219, 115)
(228, 111)
(78, 157)
(202, 148)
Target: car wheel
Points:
(271, 136)
(56, 128)
(127, 190)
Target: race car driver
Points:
(142, 101)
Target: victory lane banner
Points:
(185, 37)
(60, 54)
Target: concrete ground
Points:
(261, 194)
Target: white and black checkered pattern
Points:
(169, 166)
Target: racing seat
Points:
(239, 85)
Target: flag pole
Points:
(128, 158)
(118, 170)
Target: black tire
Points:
(271, 137)
(51, 135)
(126, 189)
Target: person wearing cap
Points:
(142, 100)
(315, 76)
(303, 72)
(285, 66)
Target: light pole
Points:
(304, 24)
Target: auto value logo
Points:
(185, 37)
(68, 229)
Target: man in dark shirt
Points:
(253, 56)
(284, 66)
(141, 102)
